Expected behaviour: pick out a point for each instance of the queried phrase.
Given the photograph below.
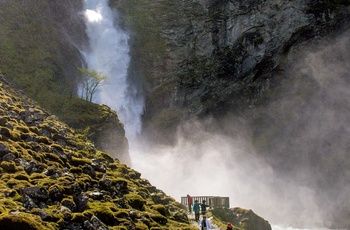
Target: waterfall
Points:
(109, 53)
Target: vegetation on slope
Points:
(53, 178)
(30, 51)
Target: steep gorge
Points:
(213, 59)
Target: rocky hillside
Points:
(53, 178)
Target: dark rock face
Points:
(242, 219)
(249, 220)
(221, 56)
(104, 127)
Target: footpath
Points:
(196, 224)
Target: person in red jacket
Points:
(189, 202)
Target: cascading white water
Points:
(109, 54)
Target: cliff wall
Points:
(208, 58)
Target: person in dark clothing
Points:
(205, 224)
(204, 207)
(189, 202)
(229, 226)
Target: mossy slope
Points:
(52, 177)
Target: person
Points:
(229, 226)
(189, 202)
(204, 207)
(205, 224)
(196, 210)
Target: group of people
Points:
(198, 208)
(201, 208)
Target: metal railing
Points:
(212, 201)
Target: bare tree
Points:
(91, 80)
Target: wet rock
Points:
(36, 192)
(42, 205)
(29, 120)
(28, 138)
(73, 226)
(3, 121)
(9, 157)
(121, 203)
(87, 169)
(28, 202)
(51, 172)
(33, 166)
(38, 116)
(75, 189)
(96, 195)
(9, 167)
(11, 193)
(106, 184)
(95, 224)
(69, 204)
(81, 201)
(55, 194)
(5, 132)
(60, 153)
(46, 132)
(3, 150)
(43, 215)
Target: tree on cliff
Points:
(90, 80)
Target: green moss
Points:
(75, 170)
(135, 201)
(22, 129)
(140, 225)
(122, 228)
(22, 176)
(160, 209)
(53, 157)
(9, 167)
(7, 204)
(34, 129)
(44, 140)
(17, 184)
(113, 166)
(80, 161)
(57, 147)
(38, 176)
(104, 156)
(79, 217)
(21, 221)
(107, 212)
(38, 156)
(83, 179)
